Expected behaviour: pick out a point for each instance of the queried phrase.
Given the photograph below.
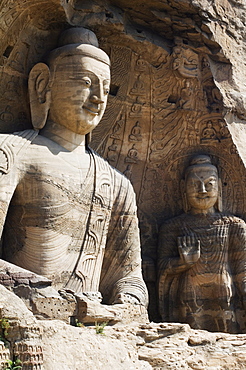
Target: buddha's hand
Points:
(189, 249)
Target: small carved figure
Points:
(202, 257)
(214, 99)
(136, 108)
(204, 64)
(65, 213)
(117, 128)
(111, 156)
(138, 87)
(132, 155)
(7, 116)
(113, 146)
(128, 171)
(185, 61)
(140, 65)
(185, 100)
(136, 133)
(209, 132)
(224, 131)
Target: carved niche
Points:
(176, 110)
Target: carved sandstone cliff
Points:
(178, 87)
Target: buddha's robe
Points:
(211, 293)
(78, 229)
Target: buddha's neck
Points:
(64, 137)
(206, 212)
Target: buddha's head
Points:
(72, 88)
(201, 186)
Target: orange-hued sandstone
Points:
(122, 183)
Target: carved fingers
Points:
(189, 249)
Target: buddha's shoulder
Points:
(117, 176)
(17, 140)
(29, 142)
(232, 220)
(14, 144)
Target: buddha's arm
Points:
(237, 256)
(122, 275)
(8, 184)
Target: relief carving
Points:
(138, 87)
(214, 131)
(185, 61)
(128, 171)
(173, 99)
(30, 355)
(135, 134)
(117, 129)
(209, 132)
(136, 109)
(201, 257)
(132, 155)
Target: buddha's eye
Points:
(211, 183)
(106, 89)
(86, 81)
(106, 86)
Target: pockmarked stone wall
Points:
(178, 89)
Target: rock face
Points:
(178, 90)
(52, 344)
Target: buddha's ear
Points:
(186, 205)
(39, 94)
(219, 202)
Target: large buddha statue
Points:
(66, 213)
(202, 257)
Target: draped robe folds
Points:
(81, 231)
(211, 293)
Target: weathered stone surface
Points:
(178, 89)
(14, 275)
(151, 346)
(53, 344)
(176, 71)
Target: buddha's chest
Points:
(54, 180)
(51, 196)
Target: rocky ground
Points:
(53, 344)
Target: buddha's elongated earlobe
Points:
(219, 201)
(39, 94)
(186, 206)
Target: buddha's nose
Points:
(96, 99)
(202, 188)
(97, 95)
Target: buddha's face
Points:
(79, 90)
(202, 187)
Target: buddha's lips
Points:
(92, 111)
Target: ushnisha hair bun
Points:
(78, 41)
(201, 160)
